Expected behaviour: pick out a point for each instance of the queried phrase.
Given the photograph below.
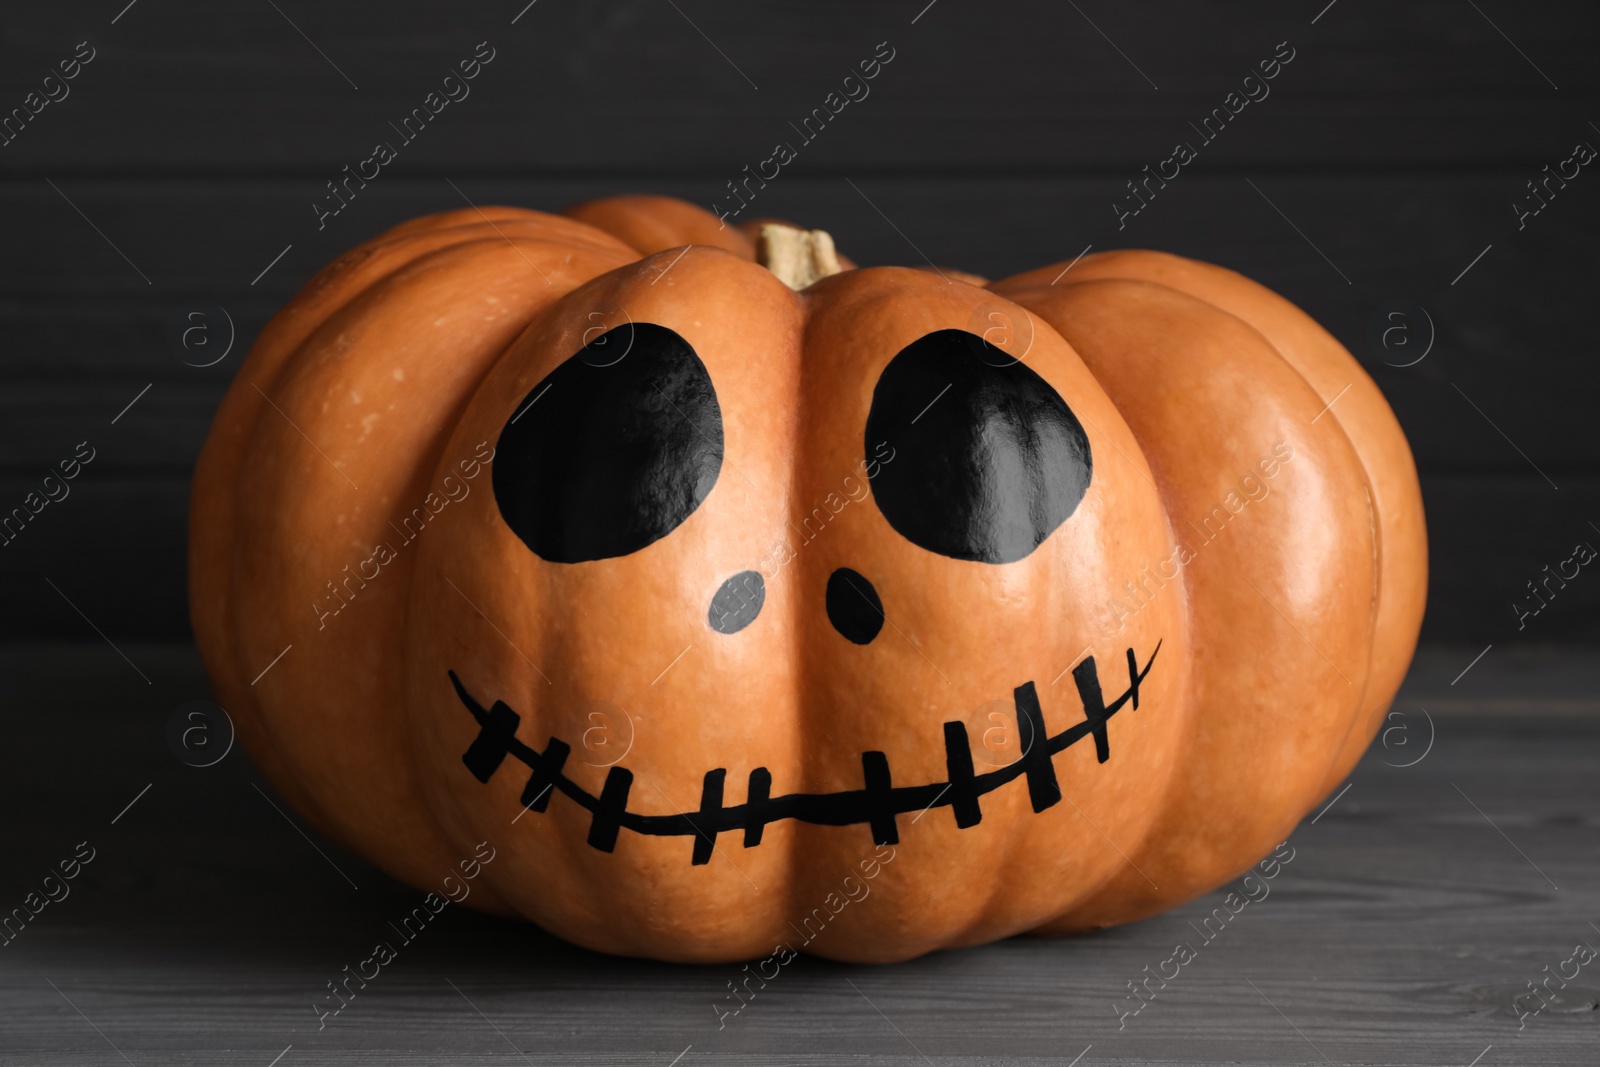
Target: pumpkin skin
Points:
(1263, 664)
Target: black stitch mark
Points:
(710, 801)
(760, 790)
(880, 798)
(610, 810)
(1094, 708)
(963, 783)
(877, 804)
(1036, 760)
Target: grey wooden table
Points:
(1418, 905)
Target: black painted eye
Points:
(610, 453)
(988, 459)
(737, 602)
(853, 606)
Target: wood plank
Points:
(174, 90)
(1493, 678)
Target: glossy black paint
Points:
(737, 602)
(854, 606)
(989, 458)
(877, 805)
(613, 450)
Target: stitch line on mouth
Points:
(877, 804)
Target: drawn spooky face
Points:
(984, 461)
(797, 572)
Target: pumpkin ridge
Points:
(1373, 431)
(1355, 720)
(355, 300)
(1357, 723)
(266, 363)
(1114, 341)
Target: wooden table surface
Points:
(1416, 907)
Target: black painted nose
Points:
(854, 607)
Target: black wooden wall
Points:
(185, 157)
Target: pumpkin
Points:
(862, 618)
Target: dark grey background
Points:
(1453, 868)
(997, 139)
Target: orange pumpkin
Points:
(891, 614)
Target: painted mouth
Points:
(877, 804)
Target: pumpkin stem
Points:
(798, 257)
